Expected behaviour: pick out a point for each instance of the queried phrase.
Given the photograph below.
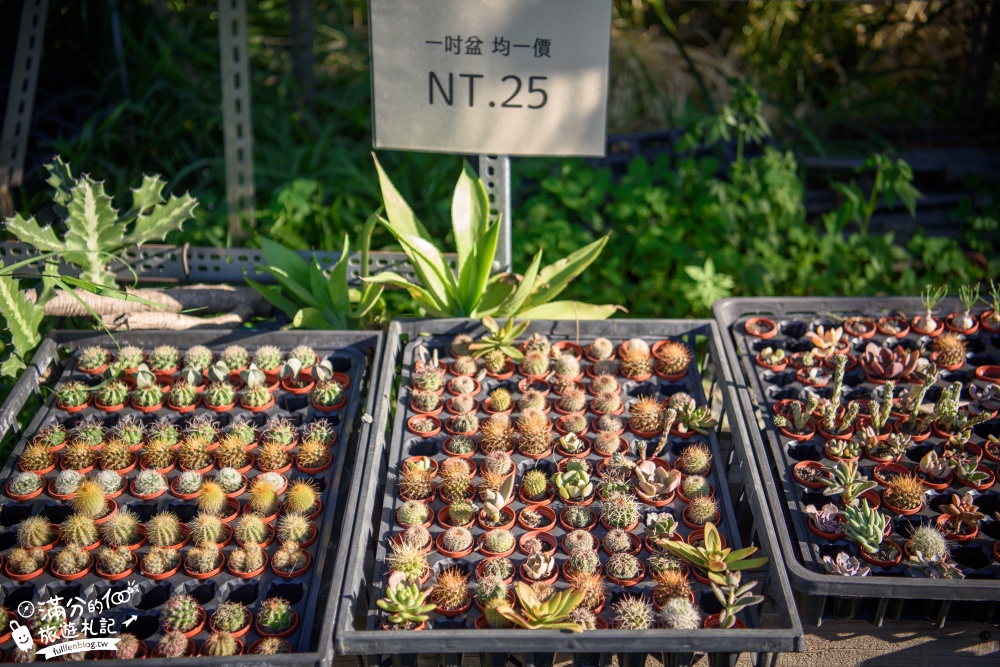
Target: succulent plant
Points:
(302, 496)
(673, 358)
(70, 560)
(35, 531)
(36, 457)
(933, 567)
(181, 613)
(112, 392)
(270, 646)
(25, 483)
(289, 557)
(601, 349)
(623, 566)
(679, 614)
(220, 394)
(263, 497)
(230, 617)
(539, 565)
(617, 541)
(110, 480)
(451, 591)
(90, 499)
(500, 399)
(656, 482)
(695, 486)
(328, 393)
(566, 367)
(845, 480)
(934, 466)
(115, 560)
(297, 528)
(633, 612)
(248, 558)
(67, 482)
(206, 530)
(865, 526)
(164, 529)
(203, 559)
(535, 362)
(160, 561)
(413, 513)
(574, 483)
(79, 530)
(72, 394)
(428, 378)
(456, 539)
(498, 540)
(173, 644)
(962, 512)
(128, 646)
(122, 529)
(22, 560)
(845, 565)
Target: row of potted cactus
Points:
(596, 547)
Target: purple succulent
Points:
(882, 363)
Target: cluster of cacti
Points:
(72, 394)
(25, 561)
(35, 531)
(25, 483)
(456, 539)
(534, 433)
(247, 558)
(633, 612)
(122, 529)
(203, 559)
(290, 557)
(112, 393)
(673, 358)
(71, 560)
(164, 530)
(617, 541)
(115, 560)
(702, 510)
(159, 560)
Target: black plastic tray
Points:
(355, 354)
(758, 388)
(356, 628)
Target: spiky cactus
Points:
(235, 357)
(633, 613)
(413, 513)
(25, 561)
(929, 541)
(428, 379)
(619, 510)
(695, 486)
(182, 394)
(163, 430)
(268, 357)
(500, 399)
(426, 401)
(573, 399)
(679, 614)
(534, 484)
(607, 443)
(130, 357)
(67, 482)
(90, 500)
(451, 590)
(534, 433)
(695, 459)
(497, 434)
(328, 393)
(461, 512)
(464, 386)
(456, 539)
(263, 497)
(617, 541)
(110, 481)
(35, 531)
(92, 358)
(37, 457)
(71, 560)
(576, 516)
(584, 560)
(164, 358)
(673, 358)
(206, 530)
(499, 540)
(297, 528)
(248, 558)
(194, 455)
(302, 496)
(646, 414)
(25, 483)
(203, 560)
(212, 498)
(906, 492)
(114, 392)
(950, 349)
(72, 394)
(128, 646)
(579, 539)
(220, 394)
(174, 645)
(230, 616)
(601, 349)
(623, 566)
(116, 455)
(535, 363)
(416, 483)
(164, 529)
(465, 366)
(78, 456)
(276, 615)
(242, 429)
(312, 454)
(250, 529)
(114, 560)
(160, 561)
(702, 510)
(466, 422)
(290, 557)
(273, 457)
(181, 613)
(229, 479)
(122, 529)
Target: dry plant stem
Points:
(205, 298)
(174, 321)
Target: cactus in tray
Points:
(465, 366)
(500, 399)
(601, 349)
(204, 559)
(164, 358)
(67, 482)
(461, 512)
(585, 561)
(679, 614)
(25, 483)
(248, 558)
(232, 453)
(456, 539)
(263, 497)
(37, 457)
(494, 500)
(429, 378)
(220, 394)
(163, 430)
(25, 561)
(230, 616)
(572, 400)
(497, 434)
(198, 358)
(72, 394)
(164, 530)
(566, 367)
(206, 530)
(92, 358)
(173, 645)
(71, 560)
(194, 455)
(290, 558)
(116, 455)
(149, 482)
(147, 392)
(115, 560)
(110, 481)
(702, 510)
(131, 357)
(35, 531)
(90, 500)
(905, 492)
(189, 482)
(534, 484)
(405, 604)
(413, 513)
(928, 540)
(235, 357)
(302, 497)
(498, 540)
(607, 402)
(425, 401)
(273, 457)
(182, 394)
(673, 358)
(112, 392)
(634, 612)
(160, 561)
(963, 514)
(268, 357)
(866, 526)
(52, 435)
(251, 529)
(181, 613)
(617, 541)
(220, 644)
(635, 358)
(534, 430)
(462, 444)
(128, 646)
(623, 566)
(297, 528)
(670, 584)
(451, 591)
(279, 430)
(463, 403)
(466, 423)
(646, 414)
(416, 483)
(121, 530)
(659, 526)
(535, 363)
(212, 498)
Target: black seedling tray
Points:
(351, 353)
(760, 388)
(358, 628)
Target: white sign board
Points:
(494, 77)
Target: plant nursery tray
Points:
(359, 626)
(759, 390)
(352, 354)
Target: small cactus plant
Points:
(128, 647)
(164, 358)
(535, 363)
(465, 365)
(235, 357)
(25, 483)
(500, 400)
(498, 541)
(92, 358)
(302, 497)
(220, 394)
(426, 401)
(290, 557)
(181, 613)
(206, 530)
(182, 394)
(276, 615)
(413, 513)
(194, 455)
(534, 431)
(164, 530)
(929, 541)
(601, 349)
(577, 517)
(633, 613)
(673, 358)
(25, 561)
(584, 560)
(268, 357)
(328, 393)
(174, 645)
(451, 590)
(112, 393)
(617, 541)
(251, 529)
(702, 510)
(71, 560)
(950, 349)
(230, 617)
(623, 566)
(456, 539)
(906, 492)
(229, 479)
(679, 614)
(110, 481)
(263, 497)
(72, 394)
(116, 455)
(273, 457)
(115, 560)
(212, 499)
(37, 457)
(131, 357)
(534, 484)
(198, 358)
(461, 512)
(297, 528)
(248, 558)
(695, 486)
(695, 459)
(122, 529)
(160, 561)
(90, 500)
(203, 560)
(78, 530)
(67, 482)
(35, 531)
(220, 644)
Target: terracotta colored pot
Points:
(764, 322)
(26, 577)
(904, 326)
(206, 575)
(713, 622)
(899, 510)
(544, 511)
(883, 563)
(942, 523)
(453, 554)
(568, 528)
(852, 328)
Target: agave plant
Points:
(714, 560)
(552, 614)
(472, 291)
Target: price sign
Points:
(499, 77)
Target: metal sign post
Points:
(493, 79)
